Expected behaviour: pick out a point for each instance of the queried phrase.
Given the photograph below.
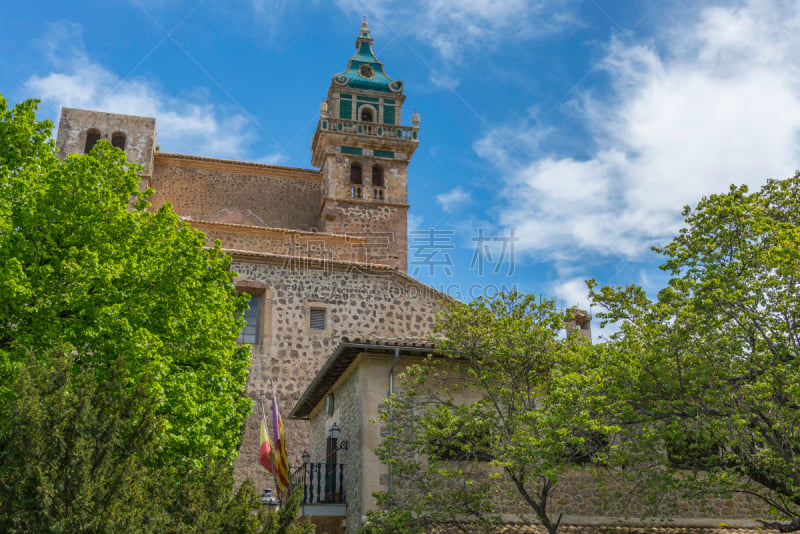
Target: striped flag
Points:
(280, 460)
(265, 450)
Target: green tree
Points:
(75, 456)
(73, 449)
(709, 372)
(492, 410)
(121, 382)
(85, 263)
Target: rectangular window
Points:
(388, 114)
(249, 333)
(345, 109)
(317, 319)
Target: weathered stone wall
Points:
(352, 408)
(579, 497)
(383, 226)
(336, 173)
(140, 134)
(382, 221)
(205, 189)
(359, 303)
(348, 409)
(311, 245)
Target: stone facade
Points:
(321, 242)
(76, 125)
(224, 191)
(358, 301)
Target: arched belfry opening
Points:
(378, 190)
(356, 181)
(118, 140)
(92, 137)
(355, 174)
(367, 114)
(377, 176)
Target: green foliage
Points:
(494, 408)
(710, 371)
(203, 500)
(84, 263)
(75, 456)
(285, 521)
(121, 382)
(391, 520)
(73, 447)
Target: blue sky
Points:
(559, 139)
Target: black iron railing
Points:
(320, 483)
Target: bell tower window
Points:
(355, 181)
(377, 176)
(92, 137)
(355, 174)
(367, 115)
(118, 140)
(378, 190)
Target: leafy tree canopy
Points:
(86, 265)
(77, 451)
(710, 371)
(491, 407)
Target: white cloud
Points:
(270, 13)
(571, 293)
(453, 199)
(188, 123)
(453, 26)
(717, 103)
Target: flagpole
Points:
(264, 418)
(281, 459)
(275, 450)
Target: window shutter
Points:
(318, 319)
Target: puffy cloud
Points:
(453, 199)
(452, 26)
(188, 123)
(715, 103)
(571, 292)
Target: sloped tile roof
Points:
(343, 355)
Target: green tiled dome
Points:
(364, 71)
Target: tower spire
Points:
(363, 151)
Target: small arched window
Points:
(355, 174)
(377, 176)
(367, 115)
(92, 137)
(118, 140)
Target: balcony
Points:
(371, 129)
(322, 487)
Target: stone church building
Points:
(323, 253)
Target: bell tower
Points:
(363, 153)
